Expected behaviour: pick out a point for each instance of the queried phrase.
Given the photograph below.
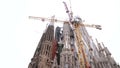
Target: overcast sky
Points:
(19, 35)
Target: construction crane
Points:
(77, 23)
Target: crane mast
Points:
(79, 45)
(70, 14)
(82, 56)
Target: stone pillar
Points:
(43, 53)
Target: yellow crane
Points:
(84, 63)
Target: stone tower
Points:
(43, 54)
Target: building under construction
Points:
(70, 46)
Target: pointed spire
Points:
(103, 45)
(99, 46)
(52, 20)
(106, 50)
